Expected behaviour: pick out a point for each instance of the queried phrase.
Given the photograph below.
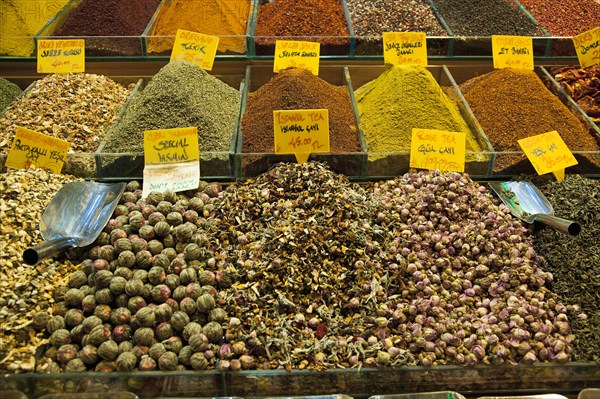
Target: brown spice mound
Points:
(298, 89)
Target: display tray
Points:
(588, 161)
(566, 379)
(150, 36)
(79, 164)
(330, 45)
(95, 46)
(252, 164)
(214, 165)
(384, 165)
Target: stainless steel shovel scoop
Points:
(527, 202)
(75, 217)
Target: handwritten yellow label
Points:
(33, 149)
(296, 54)
(512, 52)
(405, 48)
(61, 56)
(438, 149)
(547, 152)
(195, 47)
(171, 146)
(301, 132)
(587, 46)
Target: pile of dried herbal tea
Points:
(300, 269)
(575, 261)
(72, 107)
(9, 92)
(26, 291)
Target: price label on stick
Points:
(296, 54)
(34, 149)
(547, 153)
(405, 48)
(301, 132)
(512, 52)
(61, 56)
(195, 47)
(172, 160)
(438, 149)
(587, 46)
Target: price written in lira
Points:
(587, 46)
(296, 54)
(438, 149)
(34, 149)
(547, 152)
(405, 48)
(301, 132)
(195, 47)
(512, 52)
(172, 158)
(61, 56)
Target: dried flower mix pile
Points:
(299, 269)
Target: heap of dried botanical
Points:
(575, 261)
(26, 290)
(146, 297)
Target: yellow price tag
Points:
(169, 146)
(61, 56)
(587, 46)
(195, 47)
(512, 52)
(547, 153)
(301, 132)
(34, 149)
(438, 149)
(297, 54)
(405, 48)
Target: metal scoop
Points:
(75, 217)
(527, 202)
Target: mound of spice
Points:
(583, 84)
(400, 99)
(575, 261)
(512, 104)
(21, 20)
(181, 94)
(227, 19)
(486, 18)
(565, 17)
(9, 92)
(110, 18)
(298, 89)
(73, 107)
(26, 290)
(321, 21)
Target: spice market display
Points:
(351, 274)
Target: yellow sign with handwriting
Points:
(512, 52)
(195, 47)
(438, 149)
(547, 153)
(301, 132)
(34, 149)
(61, 56)
(405, 48)
(587, 46)
(171, 146)
(297, 54)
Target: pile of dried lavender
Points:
(25, 290)
(575, 261)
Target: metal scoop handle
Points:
(560, 224)
(32, 256)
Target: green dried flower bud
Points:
(104, 296)
(77, 279)
(143, 259)
(75, 366)
(102, 278)
(173, 344)
(147, 363)
(205, 303)
(155, 218)
(117, 234)
(90, 322)
(164, 207)
(174, 218)
(98, 335)
(155, 247)
(122, 333)
(179, 320)
(185, 355)
(60, 337)
(89, 355)
(169, 241)
(218, 315)
(125, 346)
(187, 305)
(187, 276)
(171, 253)
(73, 317)
(136, 221)
(154, 197)
(168, 361)
(126, 361)
(138, 244)
(59, 309)
(144, 336)
(124, 272)
(172, 281)
(106, 252)
(164, 331)
(136, 303)
(206, 277)
(121, 245)
(198, 361)
(120, 316)
(140, 274)
(179, 293)
(73, 297)
(146, 317)
(157, 275)
(156, 351)
(161, 293)
(105, 367)
(127, 259)
(134, 287)
(55, 323)
(117, 285)
(40, 320)
(213, 331)
(108, 350)
(66, 353)
(163, 312)
(198, 342)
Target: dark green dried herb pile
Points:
(575, 261)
